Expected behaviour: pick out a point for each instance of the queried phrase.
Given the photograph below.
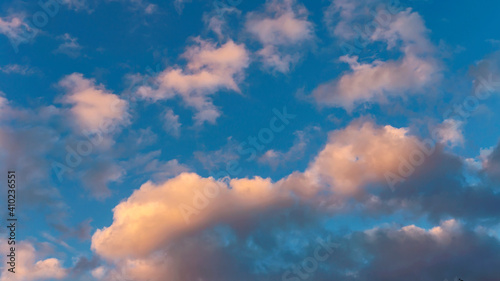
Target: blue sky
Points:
(215, 140)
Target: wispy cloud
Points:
(379, 80)
(281, 29)
(18, 69)
(210, 68)
(69, 46)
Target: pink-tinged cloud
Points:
(281, 29)
(185, 204)
(29, 265)
(93, 107)
(210, 68)
(360, 154)
(379, 80)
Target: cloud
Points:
(24, 143)
(220, 220)
(41, 145)
(217, 20)
(268, 253)
(140, 5)
(378, 80)
(439, 189)
(81, 231)
(171, 123)
(174, 197)
(210, 68)
(30, 265)
(92, 106)
(218, 159)
(167, 205)
(16, 29)
(150, 166)
(450, 132)
(280, 29)
(361, 149)
(302, 138)
(342, 16)
(150, 8)
(99, 175)
(179, 5)
(360, 154)
(83, 265)
(162, 170)
(284, 28)
(440, 252)
(17, 69)
(4, 105)
(486, 75)
(69, 46)
(76, 5)
(491, 163)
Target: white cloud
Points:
(219, 158)
(275, 158)
(450, 132)
(98, 272)
(353, 158)
(360, 154)
(179, 5)
(167, 206)
(158, 170)
(4, 104)
(150, 8)
(217, 21)
(440, 235)
(210, 68)
(69, 46)
(17, 69)
(277, 60)
(76, 5)
(29, 264)
(281, 29)
(284, 28)
(16, 29)
(342, 15)
(92, 106)
(171, 123)
(378, 80)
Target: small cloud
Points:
(17, 30)
(69, 46)
(76, 5)
(210, 68)
(92, 106)
(378, 80)
(99, 272)
(81, 231)
(171, 123)
(150, 8)
(281, 30)
(275, 158)
(17, 69)
(450, 132)
(150, 164)
(179, 5)
(219, 158)
(493, 42)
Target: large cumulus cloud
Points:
(162, 229)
